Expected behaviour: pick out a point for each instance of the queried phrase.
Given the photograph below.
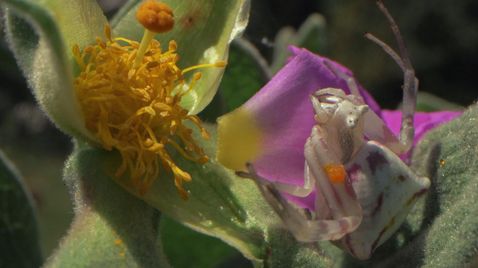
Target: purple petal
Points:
(307, 202)
(280, 119)
(283, 110)
(423, 122)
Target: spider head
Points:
(333, 105)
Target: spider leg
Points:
(339, 198)
(350, 80)
(410, 82)
(299, 221)
(295, 190)
(375, 128)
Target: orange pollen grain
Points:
(442, 162)
(335, 172)
(155, 16)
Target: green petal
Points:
(41, 35)
(203, 31)
(79, 21)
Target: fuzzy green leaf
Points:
(449, 156)
(285, 251)
(199, 251)
(220, 203)
(203, 30)
(111, 228)
(41, 34)
(19, 245)
(79, 21)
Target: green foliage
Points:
(449, 156)
(186, 248)
(19, 245)
(220, 203)
(39, 47)
(311, 35)
(285, 251)
(246, 72)
(427, 102)
(111, 228)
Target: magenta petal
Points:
(423, 122)
(307, 202)
(284, 112)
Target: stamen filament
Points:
(220, 64)
(143, 47)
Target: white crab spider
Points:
(363, 189)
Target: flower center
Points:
(130, 96)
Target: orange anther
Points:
(155, 16)
(197, 76)
(335, 172)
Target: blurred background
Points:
(442, 37)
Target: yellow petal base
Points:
(239, 139)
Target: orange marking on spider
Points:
(335, 172)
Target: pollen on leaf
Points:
(136, 110)
(335, 172)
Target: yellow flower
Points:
(130, 95)
(137, 98)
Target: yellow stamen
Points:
(220, 64)
(143, 46)
(133, 106)
(156, 17)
